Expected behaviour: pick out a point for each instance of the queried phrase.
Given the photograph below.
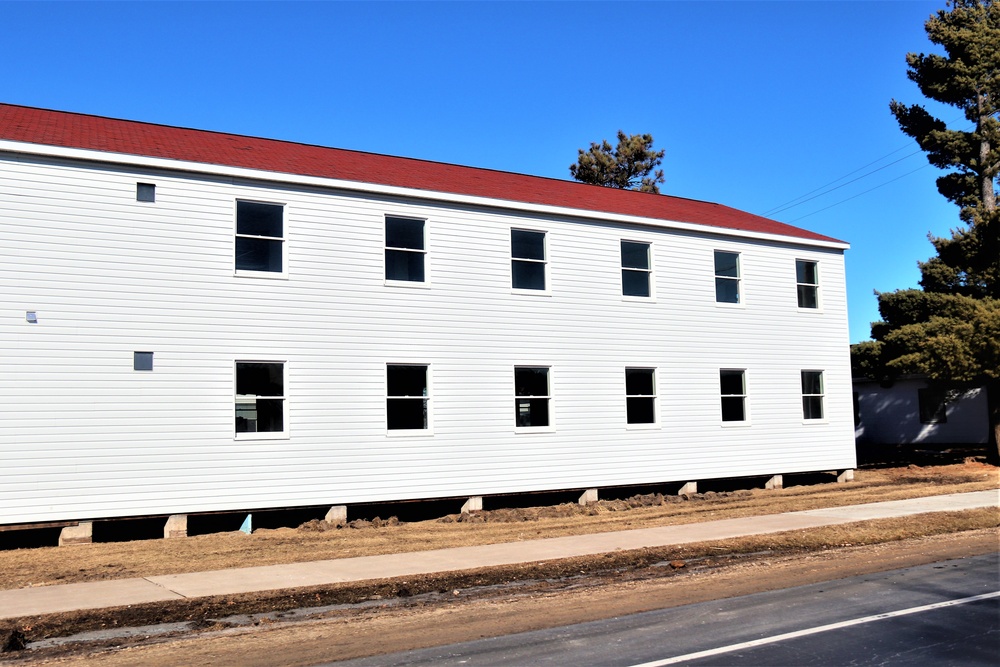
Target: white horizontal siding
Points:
(83, 435)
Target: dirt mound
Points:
(321, 525)
(519, 514)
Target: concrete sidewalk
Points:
(103, 594)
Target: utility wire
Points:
(805, 198)
(860, 193)
(826, 192)
(781, 207)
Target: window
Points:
(812, 394)
(260, 397)
(527, 263)
(733, 384)
(727, 277)
(531, 392)
(145, 192)
(807, 283)
(932, 404)
(142, 361)
(640, 396)
(407, 397)
(259, 236)
(635, 269)
(404, 250)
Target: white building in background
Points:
(910, 413)
(194, 321)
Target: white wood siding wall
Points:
(83, 435)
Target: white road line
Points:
(812, 631)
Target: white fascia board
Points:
(375, 188)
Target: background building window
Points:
(407, 397)
(259, 236)
(635, 269)
(640, 396)
(812, 394)
(531, 392)
(807, 283)
(733, 385)
(528, 262)
(933, 406)
(727, 277)
(260, 397)
(404, 250)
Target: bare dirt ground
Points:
(22, 568)
(304, 626)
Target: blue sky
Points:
(755, 103)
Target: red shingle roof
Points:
(73, 130)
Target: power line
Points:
(860, 193)
(781, 207)
(826, 192)
(802, 199)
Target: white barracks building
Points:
(201, 322)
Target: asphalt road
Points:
(941, 614)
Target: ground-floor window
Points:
(640, 396)
(812, 394)
(734, 395)
(531, 396)
(260, 397)
(407, 397)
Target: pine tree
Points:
(628, 166)
(949, 330)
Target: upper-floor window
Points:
(734, 395)
(531, 396)
(636, 269)
(812, 394)
(528, 262)
(260, 397)
(407, 397)
(259, 236)
(640, 396)
(727, 277)
(807, 283)
(405, 250)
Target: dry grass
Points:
(47, 566)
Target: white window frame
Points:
(282, 239)
(655, 396)
(821, 396)
(815, 286)
(424, 252)
(246, 398)
(745, 396)
(547, 290)
(738, 279)
(650, 283)
(548, 428)
(426, 398)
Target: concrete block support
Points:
(473, 504)
(336, 515)
(844, 476)
(176, 526)
(589, 496)
(82, 533)
(690, 487)
(775, 482)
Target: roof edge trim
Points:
(91, 155)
